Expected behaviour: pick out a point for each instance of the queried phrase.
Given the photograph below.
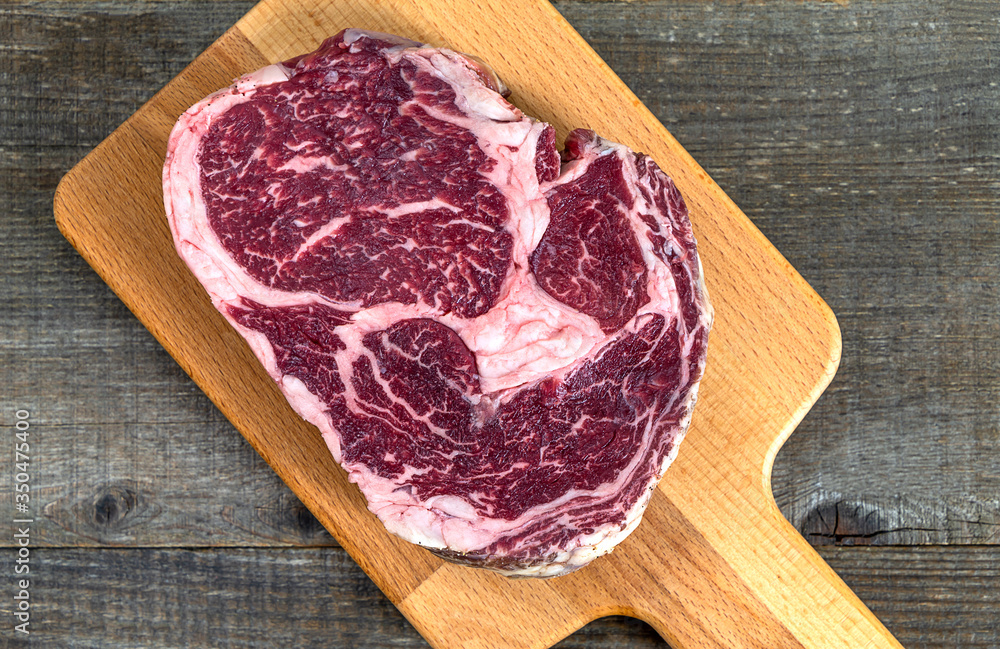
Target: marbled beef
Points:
(502, 348)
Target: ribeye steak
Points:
(502, 348)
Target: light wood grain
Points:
(770, 357)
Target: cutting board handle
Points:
(721, 567)
(762, 586)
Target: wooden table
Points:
(863, 138)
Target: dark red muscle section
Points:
(589, 258)
(304, 339)
(415, 385)
(416, 390)
(351, 133)
(673, 239)
(547, 162)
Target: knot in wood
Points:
(114, 504)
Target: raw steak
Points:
(502, 349)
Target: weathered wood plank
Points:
(246, 598)
(930, 597)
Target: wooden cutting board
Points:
(713, 564)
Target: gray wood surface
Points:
(257, 598)
(861, 137)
